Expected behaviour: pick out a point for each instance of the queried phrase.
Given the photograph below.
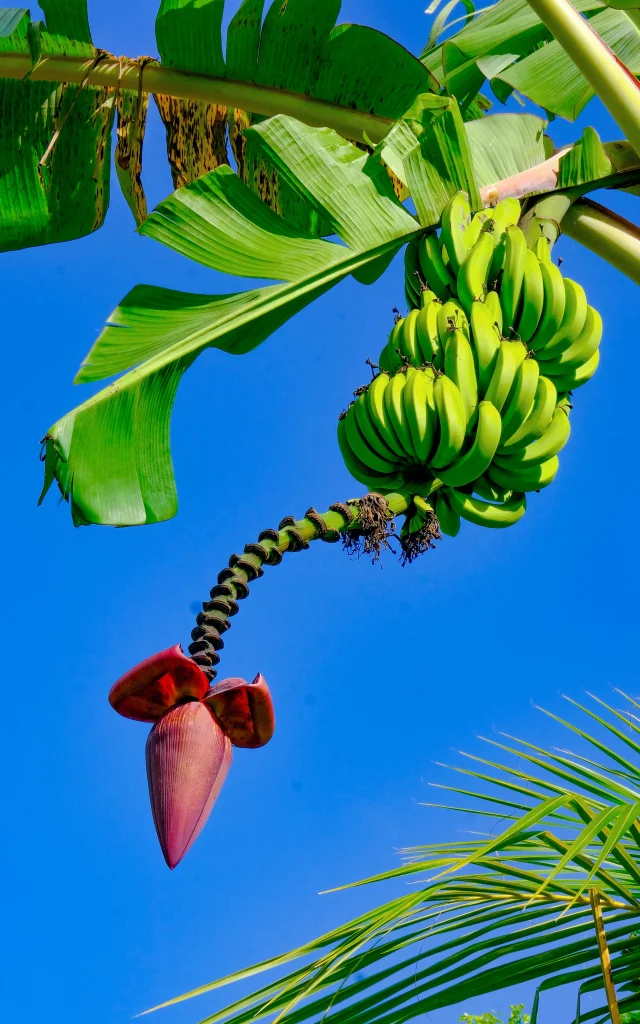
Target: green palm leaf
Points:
(495, 912)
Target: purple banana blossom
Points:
(189, 746)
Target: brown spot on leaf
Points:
(196, 137)
(132, 119)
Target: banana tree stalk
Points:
(612, 81)
(151, 77)
(605, 233)
(291, 535)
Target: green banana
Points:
(380, 416)
(452, 419)
(451, 317)
(580, 351)
(542, 249)
(538, 419)
(408, 338)
(532, 297)
(426, 297)
(362, 473)
(412, 273)
(448, 519)
(564, 402)
(389, 359)
(512, 275)
(485, 489)
(395, 409)
(521, 397)
(533, 478)
(510, 355)
(420, 411)
(553, 309)
(573, 321)
(552, 441)
(492, 302)
(362, 411)
(433, 269)
(456, 218)
(478, 224)
(472, 276)
(479, 457)
(575, 379)
(486, 513)
(459, 366)
(486, 342)
(366, 453)
(505, 215)
(427, 333)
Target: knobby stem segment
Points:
(125, 73)
(607, 234)
(618, 89)
(292, 535)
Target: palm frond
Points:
(489, 912)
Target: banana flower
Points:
(189, 747)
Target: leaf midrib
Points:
(358, 125)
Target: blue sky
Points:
(377, 673)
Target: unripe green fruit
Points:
(463, 405)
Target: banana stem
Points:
(605, 233)
(545, 218)
(291, 535)
(610, 79)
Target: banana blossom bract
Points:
(189, 746)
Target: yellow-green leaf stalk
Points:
(618, 89)
(607, 234)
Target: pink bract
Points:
(188, 757)
(245, 710)
(157, 684)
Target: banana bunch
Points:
(470, 407)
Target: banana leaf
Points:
(508, 47)
(495, 911)
(110, 456)
(48, 128)
(298, 61)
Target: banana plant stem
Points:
(126, 73)
(291, 535)
(610, 79)
(605, 233)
